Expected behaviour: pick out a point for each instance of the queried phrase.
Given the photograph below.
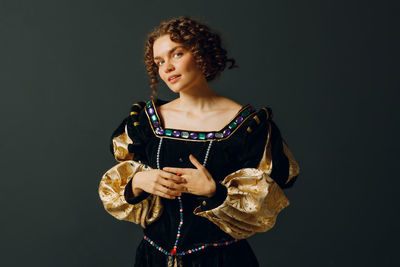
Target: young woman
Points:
(200, 173)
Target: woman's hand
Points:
(198, 181)
(158, 182)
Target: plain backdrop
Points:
(70, 70)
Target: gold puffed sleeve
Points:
(111, 191)
(120, 145)
(253, 198)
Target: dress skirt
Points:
(235, 255)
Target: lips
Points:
(173, 77)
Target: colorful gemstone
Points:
(226, 132)
(159, 131)
(239, 119)
(176, 133)
(219, 135)
(202, 136)
(245, 113)
(153, 117)
(151, 111)
(148, 104)
(185, 134)
(193, 135)
(156, 124)
(232, 125)
(180, 159)
(173, 251)
(210, 135)
(168, 132)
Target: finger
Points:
(167, 191)
(172, 176)
(177, 170)
(195, 162)
(161, 194)
(172, 185)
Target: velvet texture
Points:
(250, 167)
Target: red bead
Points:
(173, 251)
(226, 243)
(215, 244)
(202, 247)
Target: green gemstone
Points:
(202, 136)
(168, 132)
(148, 104)
(232, 125)
(153, 117)
(245, 113)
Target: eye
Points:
(159, 63)
(178, 54)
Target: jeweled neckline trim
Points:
(158, 129)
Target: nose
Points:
(168, 67)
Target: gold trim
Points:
(256, 119)
(133, 113)
(136, 123)
(266, 111)
(249, 129)
(137, 104)
(294, 169)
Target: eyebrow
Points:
(170, 51)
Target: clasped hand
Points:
(166, 183)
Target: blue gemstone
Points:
(180, 159)
(210, 135)
(239, 119)
(193, 135)
(156, 124)
(176, 133)
(226, 132)
(159, 131)
(151, 111)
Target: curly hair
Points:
(203, 43)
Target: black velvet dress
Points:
(240, 144)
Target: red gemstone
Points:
(173, 251)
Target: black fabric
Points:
(243, 149)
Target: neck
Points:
(198, 99)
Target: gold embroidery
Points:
(136, 123)
(256, 119)
(133, 113)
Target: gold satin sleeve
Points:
(254, 199)
(111, 192)
(120, 147)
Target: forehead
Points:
(163, 45)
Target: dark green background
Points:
(69, 71)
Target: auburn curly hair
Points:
(202, 42)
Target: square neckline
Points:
(157, 125)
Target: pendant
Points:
(174, 261)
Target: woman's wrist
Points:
(212, 190)
(135, 189)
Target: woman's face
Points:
(176, 65)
